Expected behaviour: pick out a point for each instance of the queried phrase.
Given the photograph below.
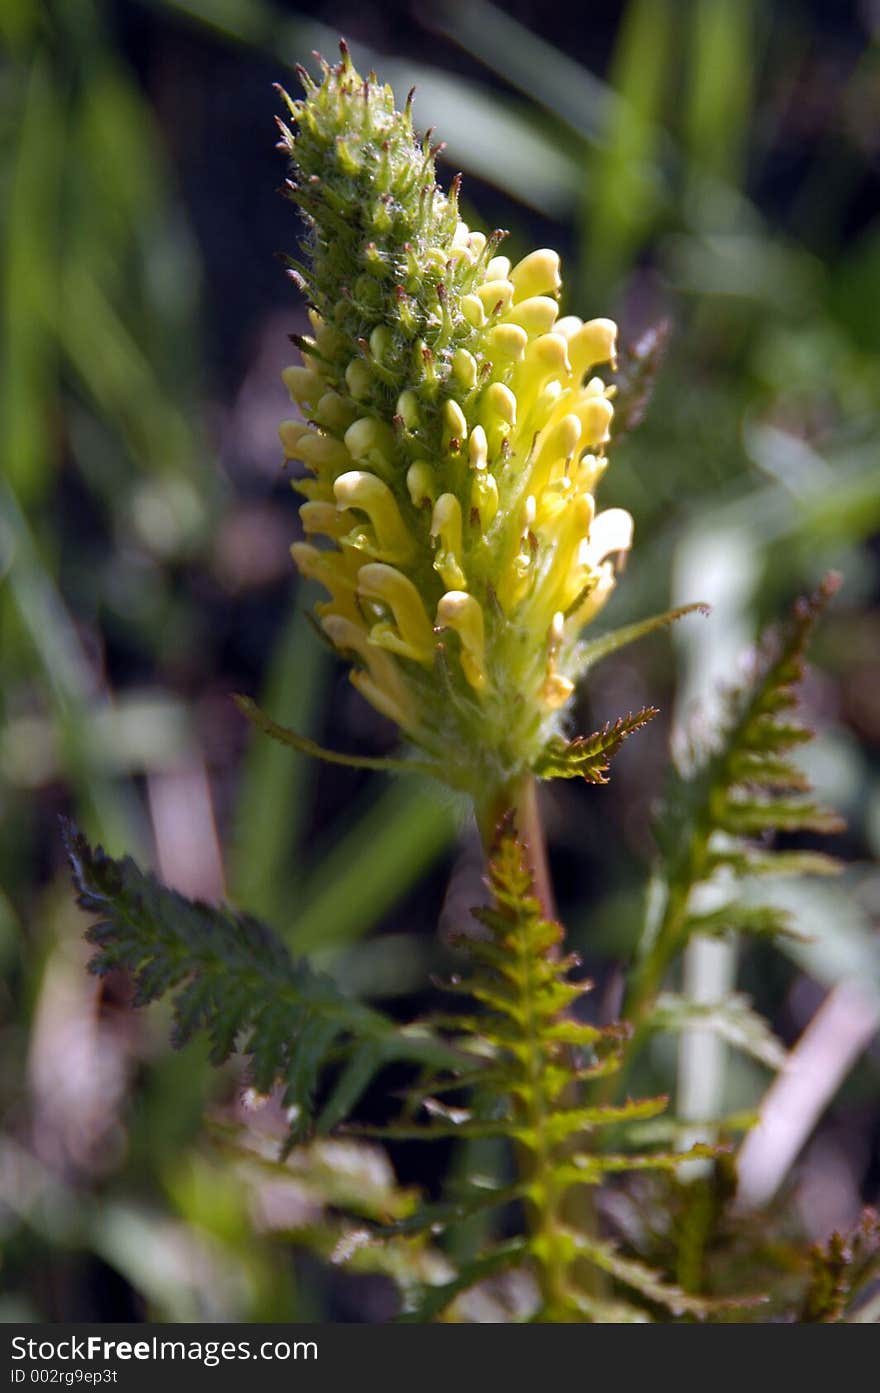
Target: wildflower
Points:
(452, 430)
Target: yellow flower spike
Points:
(555, 446)
(484, 497)
(596, 414)
(320, 490)
(587, 472)
(478, 448)
(408, 410)
(414, 637)
(335, 413)
(595, 342)
(498, 269)
(462, 254)
(321, 452)
(472, 309)
(506, 342)
(567, 572)
(555, 689)
(499, 404)
(455, 427)
(568, 325)
(552, 502)
(381, 341)
(546, 359)
(461, 612)
(304, 385)
(381, 684)
(397, 706)
(549, 354)
(517, 574)
(435, 259)
(536, 315)
(359, 379)
(329, 342)
(368, 438)
(611, 533)
(330, 569)
(290, 433)
(495, 296)
(325, 518)
(370, 495)
(454, 444)
(597, 598)
(464, 368)
(536, 274)
(421, 483)
(446, 530)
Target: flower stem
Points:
(550, 1212)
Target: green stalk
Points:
(549, 1210)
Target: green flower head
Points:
(453, 432)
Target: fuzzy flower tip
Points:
(452, 429)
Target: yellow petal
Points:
(461, 612)
(536, 274)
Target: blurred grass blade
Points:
(271, 807)
(30, 272)
(527, 61)
(623, 188)
(372, 866)
(720, 81)
(69, 680)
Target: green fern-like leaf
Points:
(588, 756)
(541, 1060)
(718, 819)
(841, 1269)
(233, 980)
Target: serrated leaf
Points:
(733, 1019)
(652, 1284)
(746, 861)
(588, 756)
(739, 791)
(231, 978)
(754, 920)
(840, 1269)
(436, 1218)
(433, 1301)
(752, 817)
(587, 1169)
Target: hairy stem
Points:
(528, 823)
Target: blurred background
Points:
(713, 163)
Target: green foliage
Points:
(733, 1020)
(766, 417)
(233, 980)
(542, 1059)
(303, 745)
(714, 826)
(588, 756)
(841, 1269)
